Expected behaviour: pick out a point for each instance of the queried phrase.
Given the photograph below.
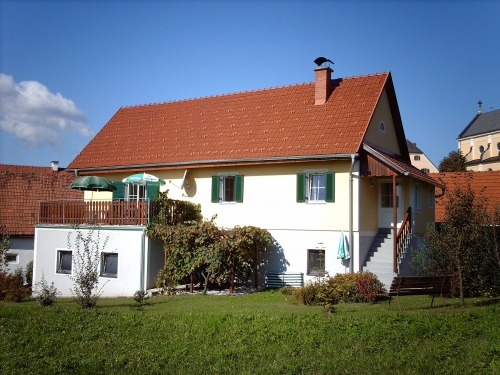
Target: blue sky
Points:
(67, 66)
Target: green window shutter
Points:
(301, 187)
(239, 188)
(152, 190)
(215, 189)
(330, 187)
(119, 193)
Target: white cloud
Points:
(36, 116)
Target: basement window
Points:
(109, 265)
(64, 261)
(315, 262)
(12, 258)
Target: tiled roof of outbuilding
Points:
(481, 182)
(23, 187)
(267, 123)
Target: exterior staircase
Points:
(380, 258)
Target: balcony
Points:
(116, 212)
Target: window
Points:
(386, 195)
(227, 188)
(109, 265)
(498, 146)
(316, 187)
(418, 197)
(315, 262)
(381, 127)
(12, 258)
(64, 261)
(481, 149)
(135, 192)
(416, 157)
(431, 196)
(425, 170)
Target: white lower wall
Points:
(23, 248)
(130, 243)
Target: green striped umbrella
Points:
(92, 183)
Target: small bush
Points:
(287, 290)
(12, 288)
(348, 287)
(28, 273)
(140, 297)
(45, 294)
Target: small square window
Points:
(12, 258)
(64, 261)
(315, 262)
(416, 157)
(109, 264)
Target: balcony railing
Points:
(116, 212)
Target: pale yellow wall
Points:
(387, 140)
(424, 162)
(368, 205)
(475, 142)
(269, 199)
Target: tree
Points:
(454, 162)
(466, 244)
(86, 260)
(5, 245)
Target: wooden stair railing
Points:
(403, 238)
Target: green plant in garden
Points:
(28, 273)
(12, 288)
(45, 293)
(141, 296)
(5, 245)
(86, 260)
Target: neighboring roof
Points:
(23, 187)
(398, 165)
(482, 123)
(280, 122)
(412, 148)
(481, 182)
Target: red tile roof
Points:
(267, 123)
(486, 182)
(23, 187)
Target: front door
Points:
(385, 204)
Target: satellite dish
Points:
(321, 60)
(183, 183)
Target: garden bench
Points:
(281, 279)
(419, 285)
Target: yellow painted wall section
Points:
(368, 205)
(387, 139)
(269, 198)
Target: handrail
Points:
(403, 238)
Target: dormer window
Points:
(381, 127)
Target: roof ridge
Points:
(248, 91)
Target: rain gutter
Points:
(217, 161)
(351, 214)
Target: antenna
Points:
(183, 183)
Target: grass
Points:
(260, 333)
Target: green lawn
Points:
(260, 333)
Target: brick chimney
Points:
(323, 84)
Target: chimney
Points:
(323, 84)
(55, 166)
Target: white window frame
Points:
(309, 185)
(104, 264)
(418, 197)
(135, 192)
(311, 262)
(59, 260)
(222, 187)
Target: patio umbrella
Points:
(343, 251)
(142, 179)
(92, 183)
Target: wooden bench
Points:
(419, 285)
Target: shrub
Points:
(140, 296)
(12, 288)
(45, 294)
(348, 287)
(28, 273)
(287, 290)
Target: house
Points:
(483, 183)
(23, 187)
(479, 142)
(419, 159)
(312, 163)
